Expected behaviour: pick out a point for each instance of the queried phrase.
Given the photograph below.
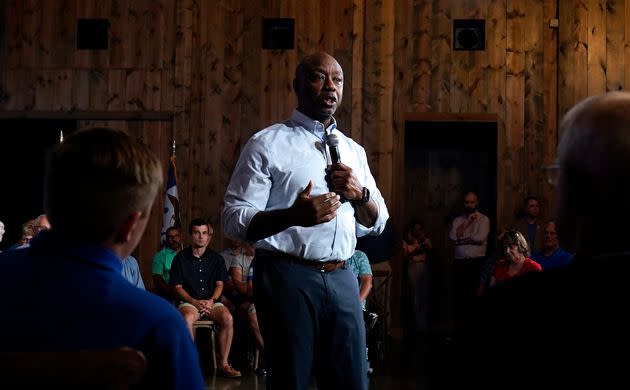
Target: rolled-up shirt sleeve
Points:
(368, 181)
(248, 191)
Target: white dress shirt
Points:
(276, 165)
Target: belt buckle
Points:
(322, 267)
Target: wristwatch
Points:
(365, 198)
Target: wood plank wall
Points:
(202, 62)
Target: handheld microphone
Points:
(333, 145)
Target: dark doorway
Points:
(22, 155)
(443, 160)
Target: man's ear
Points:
(129, 225)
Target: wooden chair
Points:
(88, 369)
(212, 328)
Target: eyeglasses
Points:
(551, 173)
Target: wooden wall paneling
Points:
(307, 33)
(44, 91)
(152, 89)
(119, 33)
(514, 113)
(287, 62)
(580, 70)
(616, 66)
(459, 98)
(267, 71)
(116, 82)
(167, 89)
(64, 41)
(627, 46)
(384, 148)
(98, 89)
(371, 70)
(550, 97)
(596, 52)
(13, 85)
(83, 58)
(229, 131)
(496, 41)
(80, 89)
(441, 58)
(407, 71)
(134, 43)
(30, 33)
(62, 90)
(213, 42)
(421, 92)
(533, 103)
(251, 91)
(356, 72)
(45, 41)
(167, 51)
(134, 85)
(196, 144)
(154, 24)
(477, 87)
(567, 67)
(183, 83)
(342, 32)
(14, 31)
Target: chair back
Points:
(88, 369)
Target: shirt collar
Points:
(314, 126)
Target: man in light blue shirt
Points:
(305, 210)
(131, 271)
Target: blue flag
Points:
(171, 201)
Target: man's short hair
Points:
(172, 228)
(528, 198)
(198, 222)
(95, 178)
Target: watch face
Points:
(366, 195)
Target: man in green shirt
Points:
(162, 262)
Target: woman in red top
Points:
(516, 261)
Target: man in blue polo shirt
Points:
(552, 256)
(105, 182)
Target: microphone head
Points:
(332, 140)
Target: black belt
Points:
(322, 266)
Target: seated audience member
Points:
(131, 271)
(162, 260)
(41, 223)
(516, 261)
(26, 234)
(552, 256)
(114, 180)
(197, 275)
(30, 229)
(360, 266)
(235, 253)
(567, 328)
(242, 294)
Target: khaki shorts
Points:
(186, 304)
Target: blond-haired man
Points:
(104, 182)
